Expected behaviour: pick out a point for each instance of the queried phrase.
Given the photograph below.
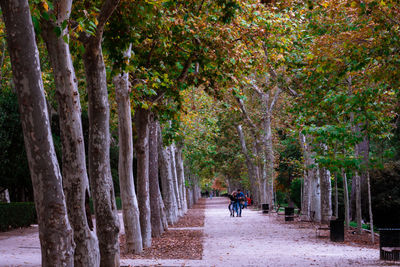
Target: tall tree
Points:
(142, 120)
(55, 232)
(130, 208)
(75, 180)
(107, 222)
(156, 205)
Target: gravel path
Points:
(252, 240)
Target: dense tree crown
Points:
(294, 101)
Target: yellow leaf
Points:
(45, 5)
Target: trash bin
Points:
(265, 208)
(389, 244)
(337, 230)
(289, 214)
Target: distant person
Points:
(240, 201)
(232, 204)
(211, 194)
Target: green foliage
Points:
(14, 169)
(295, 192)
(17, 214)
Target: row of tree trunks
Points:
(57, 240)
(317, 190)
(167, 184)
(55, 232)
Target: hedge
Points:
(22, 214)
(17, 214)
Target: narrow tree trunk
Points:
(155, 197)
(358, 202)
(308, 178)
(142, 119)
(75, 180)
(167, 184)
(336, 197)
(371, 220)
(181, 176)
(55, 232)
(346, 200)
(130, 209)
(316, 196)
(250, 166)
(175, 179)
(326, 195)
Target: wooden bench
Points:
(319, 228)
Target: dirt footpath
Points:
(251, 240)
(264, 240)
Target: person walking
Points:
(240, 201)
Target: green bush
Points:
(17, 214)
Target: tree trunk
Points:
(142, 120)
(250, 166)
(130, 209)
(371, 220)
(358, 202)
(326, 195)
(269, 156)
(346, 200)
(155, 197)
(107, 221)
(163, 214)
(316, 196)
(181, 176)
(167, 184)
(75, 180)
(175, 179)
(308, 180)
(55, 232)
(336, 197)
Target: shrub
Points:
(17, 214)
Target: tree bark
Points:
(316, 196)
(175, 180)
(155, 196)
(181, 176)
(346, 200)
(326, 195)
(130, 209)
(142, 120)
(309, 176)
(167, 184)
(75, 180)
(55, 232)
(250, 166)
(336, 197)
(107, 222)
(371, 220)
